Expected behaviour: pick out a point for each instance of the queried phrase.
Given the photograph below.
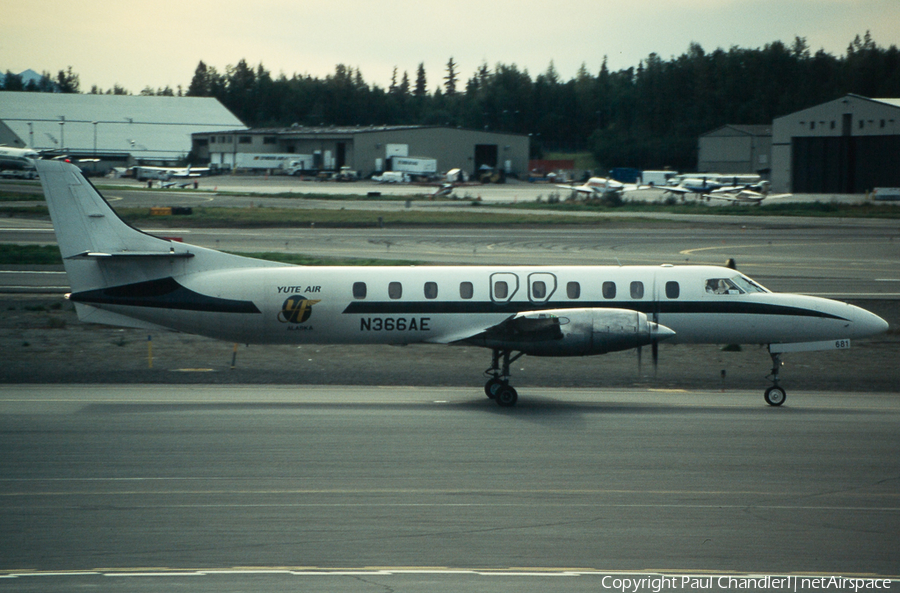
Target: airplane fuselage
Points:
(405, 305)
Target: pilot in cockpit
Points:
(717, 286)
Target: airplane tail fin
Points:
(100, 250)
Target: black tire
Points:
(492, 386)
(506, 397)
(775, 396)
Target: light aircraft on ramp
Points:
(122, 276)
(17, 157)
(168, 173)
(753, 194)
(600, 187)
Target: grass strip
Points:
(292, 217)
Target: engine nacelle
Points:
(574, 332)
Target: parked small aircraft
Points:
(17, 157)
(122, 276)
(599, 187)
(168, 173)
(749, 194)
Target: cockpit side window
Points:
(722, 286)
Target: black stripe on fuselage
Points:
(647, 307)
(164, 293)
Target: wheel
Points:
(491, 387)
(775, 396)
(506, 396)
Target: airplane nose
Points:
(876, 324)
(868, 324)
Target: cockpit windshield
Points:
(748, 285)
(739, 284)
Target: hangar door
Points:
(486, 154)
(844, 164)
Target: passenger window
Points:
(573, 290)
(501, 289)
(538, 289)
(431, 290)
(672, 290)
(359, 290)
(637, 290)
(609, 290)
(395, 290)
(466, 290)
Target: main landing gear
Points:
(497, 387)
(775, 395)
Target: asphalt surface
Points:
(337, 484)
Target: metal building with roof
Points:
(736, 149)
(849, 145)
(126, 129)
(369, 149)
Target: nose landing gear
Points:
(497, 387)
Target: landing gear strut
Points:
(775, 395)
(497, 387)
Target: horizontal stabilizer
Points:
(98, 254)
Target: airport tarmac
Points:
(343, 488)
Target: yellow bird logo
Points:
(296, 309)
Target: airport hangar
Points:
(736, 149)
(100, 132)
(849, 145)
(369, 149)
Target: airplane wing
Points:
(583, 189)
(573, 331)
(517, 325)
(746, 195)
(677, 189)
(734, 197)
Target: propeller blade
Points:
(654, 351)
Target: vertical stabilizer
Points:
(86, 227)
(100, 250)
(83, 220)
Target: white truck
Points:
(273, 161)
(414, 165)
(297, 164)
(657, 178)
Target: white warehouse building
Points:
(116, 129)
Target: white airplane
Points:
(755, 194)
(18, 157)
(122, 276)
(168, 173)
(598, 187)
(690, 185)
